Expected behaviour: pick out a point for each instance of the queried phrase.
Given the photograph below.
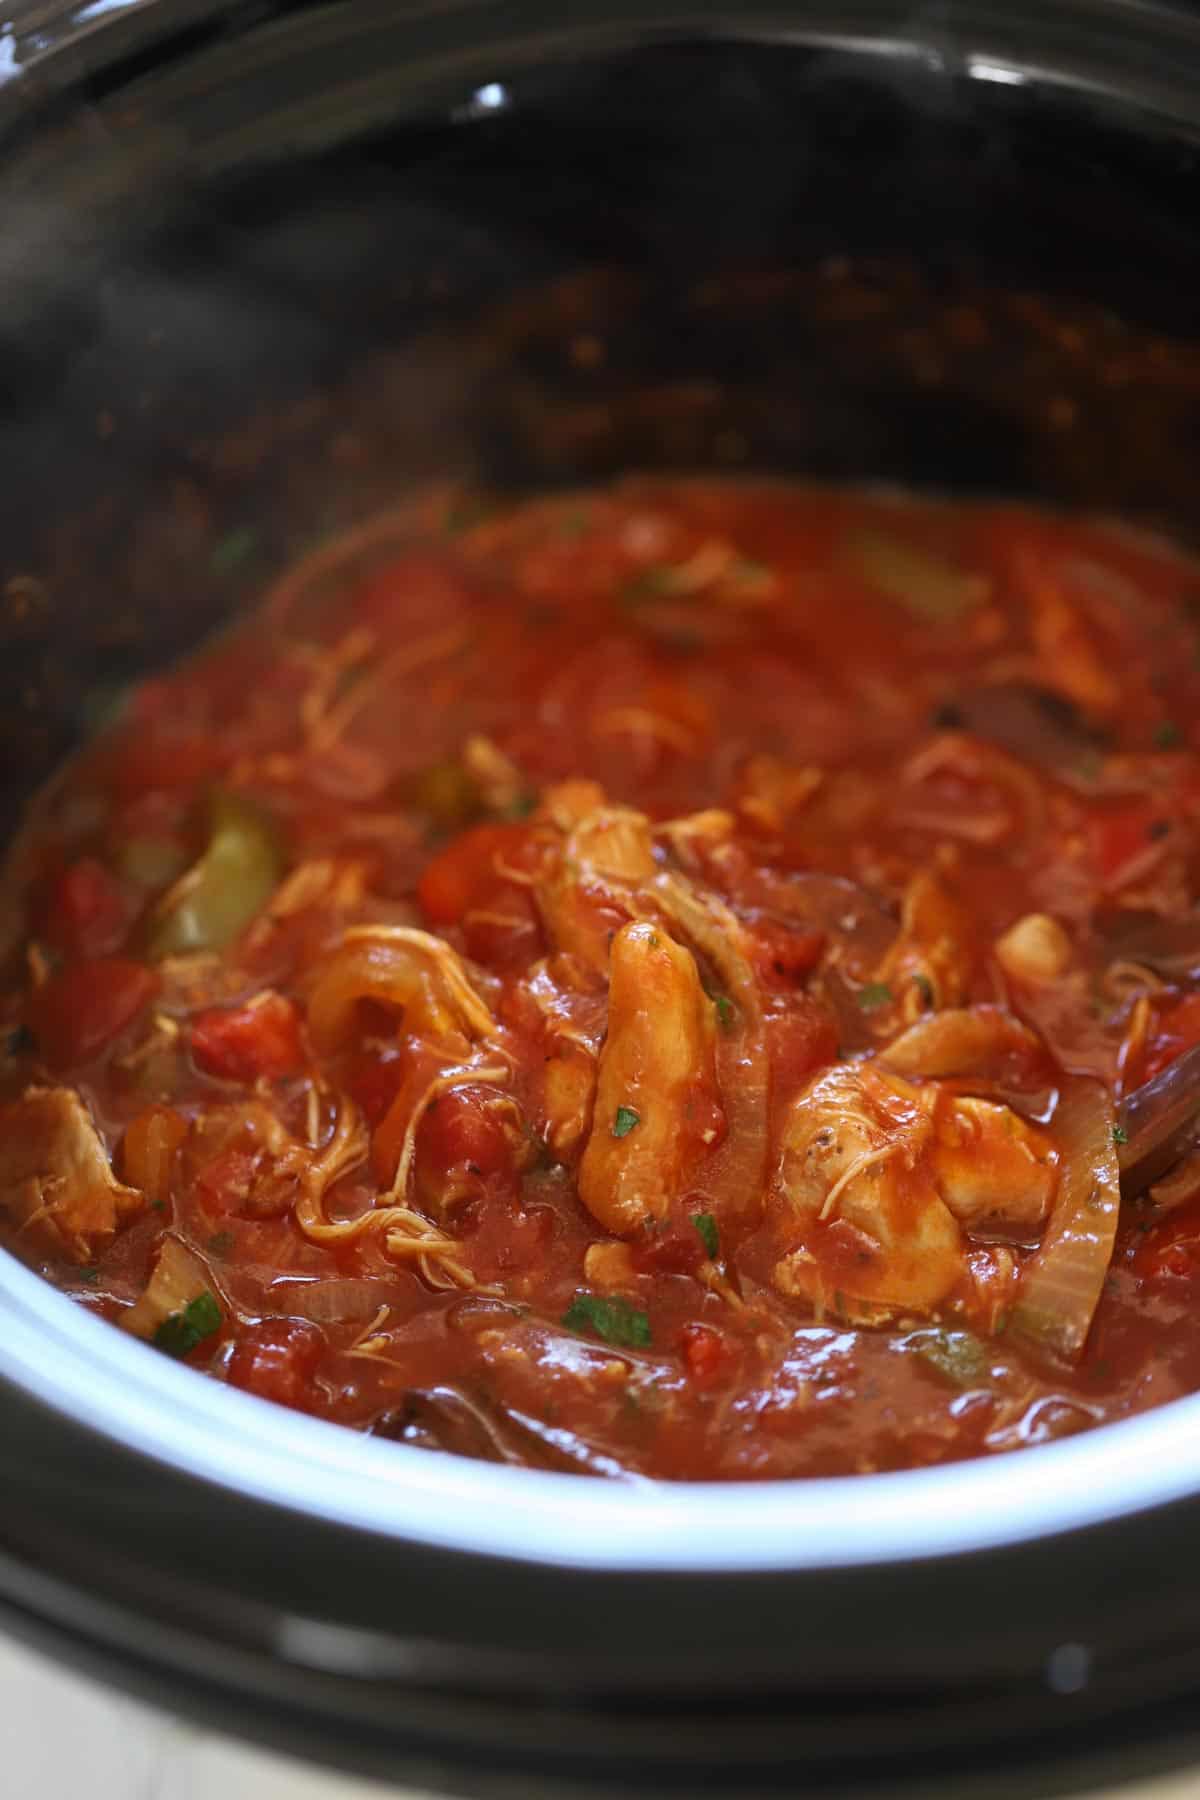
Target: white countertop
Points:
(64, 1736)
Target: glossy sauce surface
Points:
(637, 982)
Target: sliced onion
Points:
(979, 1041)
(1064, 1279)
(342, 1300)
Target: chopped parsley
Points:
(726, 1011)
(874, 995)
(958, 1356)
(182, 1331)
(624, 1121)
(233, 549)
(710, 1237)
(658, 579)
(614, 1320)
(1120, 1135)
(522, 804)
(1168, 736)
(924, 987)
(220, 1243)
(91, 1276)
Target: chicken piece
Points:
(1035, 949)
(772, 791)
(877, 1178)
(656, 1075)
(500, 783)
(929, 964)
(566, 803)
(571, 1005)
(875, 1235)
(1069, 659)
(56, 1182)
(568, 1098)
(587, 890)
(609, 1267)
(996, 1173)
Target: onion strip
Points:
(1063, 1280)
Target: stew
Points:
(692, 979)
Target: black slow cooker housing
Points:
(264, 265)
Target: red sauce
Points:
(475, 1001)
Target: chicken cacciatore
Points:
(693, 979)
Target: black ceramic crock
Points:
(260, 265)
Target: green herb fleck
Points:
(1168, 736)
(1120, 1135)
(91, 1276)
(574, 522)
(625, 1121)
(924, 987)
(521, 804)
(958, 1356)
(710, 1237)
(747, 569)
(874, 995)
(726, 1011)
(19, 1041)
(233, 549)
(180, 1333)
(220, 1243)
(648, 583)
(158, 1206)
(614, 1320)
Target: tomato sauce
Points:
(642, 981)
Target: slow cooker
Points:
(278, 258)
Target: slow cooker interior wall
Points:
(792, 259)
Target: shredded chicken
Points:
(656, 1066)
(930, 962)
(592, 881)
(56, 1183)
(900, 1169)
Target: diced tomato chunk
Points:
(89, 912)
(785, 955)
(79, 1010)
(702, 1350)
(679, 1250)
(224, 1182)
(373, 1083)
(240, 1043)
(277, 1359)
(464, 875)
(464, 1130)
(802, 1039)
